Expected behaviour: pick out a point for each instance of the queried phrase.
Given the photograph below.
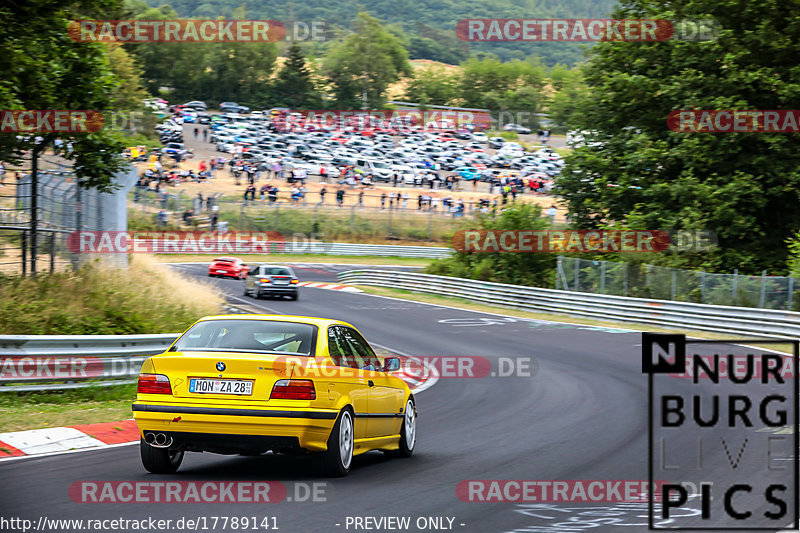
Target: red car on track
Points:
(227, 267)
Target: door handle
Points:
(371, 383)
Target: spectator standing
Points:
(361, 198)
(383, 200)
(340, 196)
(214, 218)
(322, 192)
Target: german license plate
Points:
(220, 386)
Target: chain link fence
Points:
(31, 244)
(661, 283)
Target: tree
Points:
(519, 268)
(294, 87)
(745, 187)
(44, 69)
(362, 65)
(487, 82)
(205, 71)
(433, 84)
(570, 88)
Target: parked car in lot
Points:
(227, 267)
(196, 105)
(379, 169)
(468, 173)
(516, 128)
(496, 142)
(175, 149)
(271, 280)
(233, 107)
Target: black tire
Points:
(293, 296)
(246, 293)
(159, 460)
(408, 440)
(331, 462)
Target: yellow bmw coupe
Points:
(249, 384)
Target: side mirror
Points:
(390, 364)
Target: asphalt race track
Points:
(582, 415)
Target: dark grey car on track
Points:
(271, 280)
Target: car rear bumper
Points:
(277, 290)
(203, 427)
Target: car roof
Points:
(316, 321)
(274, 266)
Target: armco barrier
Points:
(326, 248)
(56, 362)
(669, 314)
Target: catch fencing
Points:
(662, 313)
(29, 243)
(650, 281)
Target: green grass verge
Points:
(35, 410)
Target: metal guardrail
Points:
(299, 247)
(59, 362)
(663, 313)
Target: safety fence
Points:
(650, 281)
(37, 215)
(663, 313)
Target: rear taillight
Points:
(293, 389)
(295, 281)
(153, 384)
(264, 280)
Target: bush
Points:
(537, 269)
(145, 298)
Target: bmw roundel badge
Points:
(220, 366)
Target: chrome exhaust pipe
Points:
(158, 440)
